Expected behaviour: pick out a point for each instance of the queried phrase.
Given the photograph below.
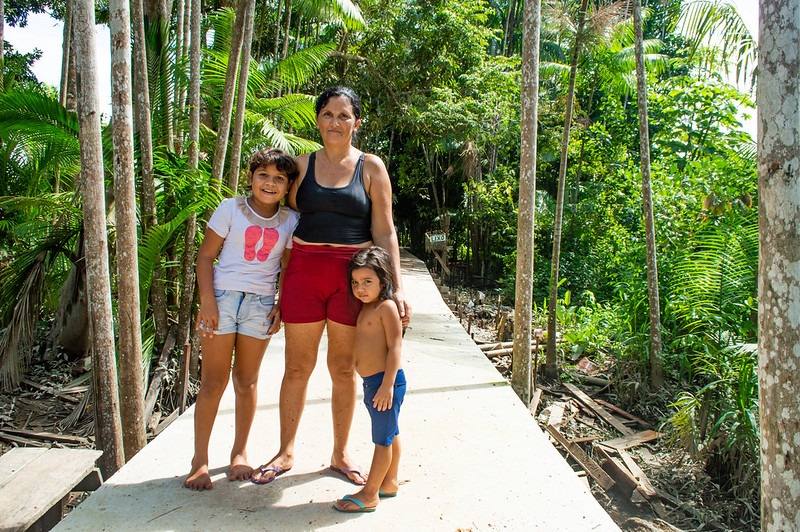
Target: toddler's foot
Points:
(388, 488)
(240, 469)
(198, 478)
(355, 504)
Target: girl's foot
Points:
(240, 469)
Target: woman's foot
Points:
(271, 470)
(198, 478)
(240, 469)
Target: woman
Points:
(344, 199)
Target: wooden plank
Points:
(19, 440)
(599, 410)
(632, 440)
(626, 483)
(41, 484)
(16, 459)
(645, 486)
(64, 438)
(534, 406)
(623, 413)
(556, 414)
(585, 461)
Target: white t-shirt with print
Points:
(250, 258)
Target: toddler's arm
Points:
(392, 327)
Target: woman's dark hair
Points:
(376, 259)
(273, 156)
(339, 90)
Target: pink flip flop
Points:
(263, 469)
(345, 472)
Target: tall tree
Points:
(226, 107)
(779, 256)
(241, 99)
(144, 130)
(187, 262)
(656, 368)
(521, 358)
(551, 364)
(131, 378)
(2, 41)
(108, 429)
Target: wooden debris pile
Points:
(608, 461)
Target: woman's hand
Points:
(403, 307)
(275, 316)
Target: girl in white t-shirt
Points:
(248, 237)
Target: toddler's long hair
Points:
(376, 259)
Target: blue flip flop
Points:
(361, 508)
(386, 495)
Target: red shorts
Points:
(316, 286)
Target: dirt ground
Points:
(688, 498)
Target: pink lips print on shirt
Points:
(255, 234)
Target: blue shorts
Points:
(384, 424)
(243, 313)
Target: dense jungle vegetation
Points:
(440, 80)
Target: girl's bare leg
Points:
(216, 369)
(246, 366)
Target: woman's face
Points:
(336, 121)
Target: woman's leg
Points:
(246, 366)
(343, 397)
(216, 368)
(302, 343)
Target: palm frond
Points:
(717, 24)
(344, 12)
(17, 338)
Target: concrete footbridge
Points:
(473, 457)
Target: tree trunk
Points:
(106, 404)
(287, 29)
(275, 56)
(144, 128)
(66, 46)
(551, 364)
(779, 256)
(131, 379)
(226, 105)
(235, 166)
(188, 260)
(2, 43)
(656, 368)
(521, 357)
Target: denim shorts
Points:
(243, 313)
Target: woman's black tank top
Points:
(334, 215)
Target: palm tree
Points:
(107, 418)
(131, 379)
(551, 367)
(656, 368)
(779, 278)
(520, 377)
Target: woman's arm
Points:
(208, 316)
(302, 165)
(383, 232)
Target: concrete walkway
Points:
(473, 457)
